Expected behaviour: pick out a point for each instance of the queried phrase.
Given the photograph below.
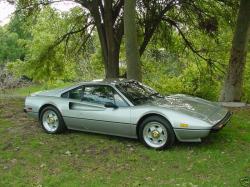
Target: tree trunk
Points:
(112, 62)
(109, 39)
(232, 90)
(132, 52)
(112, 69)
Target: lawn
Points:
(30, 157)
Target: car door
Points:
(87, 111)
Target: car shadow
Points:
(209, 141)
(104, 136)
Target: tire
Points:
(156, 132)
(51, 120)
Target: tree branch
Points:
(117, 9)
(190, 45)
(63, 37)
(82, 45)
(151, 27)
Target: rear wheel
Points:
(156, 132)
(52, 121)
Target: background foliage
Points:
(30, 47)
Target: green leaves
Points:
(10, 49)
(48, 58)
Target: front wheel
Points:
(156, 132)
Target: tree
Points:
(232, 90)
(132, 53)
(107, 17)
(42, 62)
(110, 31)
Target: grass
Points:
(30, 157)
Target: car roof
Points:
(111, 81)
(108, 81)
(59, 91)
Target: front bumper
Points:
(222, 123)
(191, 135)
(195, 135)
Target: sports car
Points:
(127, 108)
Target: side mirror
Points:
(110, 105)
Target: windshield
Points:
(137, 93)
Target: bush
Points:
(191, 80)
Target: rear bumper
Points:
(30, 113)
(222, 123)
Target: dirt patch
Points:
(12, 110)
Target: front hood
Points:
(193, 106)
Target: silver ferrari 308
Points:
(127, 108)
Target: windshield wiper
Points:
(148, 97)
(141, 98)
(155, 94)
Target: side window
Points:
(98, 94)
(75, 93)
(65, 95)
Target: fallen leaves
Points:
(42, 165)
(68, 153)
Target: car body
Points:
(111, 107)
